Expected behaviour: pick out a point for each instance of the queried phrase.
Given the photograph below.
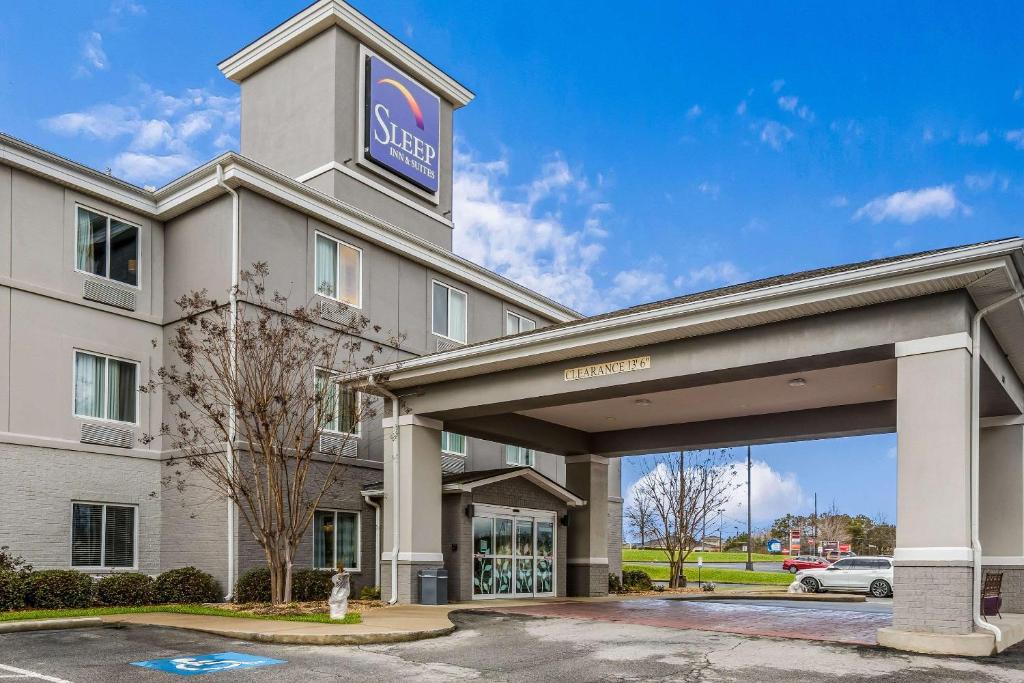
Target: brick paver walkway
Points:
(835, 625)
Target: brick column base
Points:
(408, 581)
(587, 580)
(933, 598)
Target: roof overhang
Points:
(323, 15)
(200, 186)
(986, 271)
(527, 473)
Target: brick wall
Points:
(935, 599)
(37, 486)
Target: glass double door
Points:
(513, 556)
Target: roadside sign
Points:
(844, 547)
(775, 546)
(206, 664)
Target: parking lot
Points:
(499, 647)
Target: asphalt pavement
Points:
(492, 647)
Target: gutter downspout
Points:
(232, 417)
(394, 486)
(376, 538)
(976, 457)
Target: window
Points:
(335, 540)
(449, 319)
(453, 443)
(107, 247)
(515, 323)
(105, 388)
(517, 455)
(340, 406)
(338, 270)
(843, 564)
(102, 535)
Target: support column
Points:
(587, 561)
(419, 504)
(1002, 509)
(615, 516)
(933, 582)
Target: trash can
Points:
(433, 586)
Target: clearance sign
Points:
(611, 368)
(403, 125)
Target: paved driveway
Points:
(851, 623)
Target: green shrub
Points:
(370, 593)
(118, 590)
(309, 585)
(186, 585)
(614, 584)
(636, 580)
(59, 589)
(13, 563)
(12, 590)
(253, 585)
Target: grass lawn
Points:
(350, 618)
(660, 573)
(647, 555)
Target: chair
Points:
(991, 594)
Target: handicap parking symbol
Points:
(207, 664)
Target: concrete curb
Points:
(776, 595)
(312, 639)
(49, 624)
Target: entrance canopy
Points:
(803, 356)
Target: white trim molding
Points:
(406, 556)
(539, 480)
(413, 421)
(943, 342)
(587, 560)
(934, 554)
(322, 15)
(595, 459)
(1002, 561)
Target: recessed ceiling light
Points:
(643, 402)
(798, 382)
(610, 419)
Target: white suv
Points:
(871, 574)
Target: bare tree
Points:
(682, 488)
(250, 395)
(640, 517)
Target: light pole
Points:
(721, 511)
(750, 539)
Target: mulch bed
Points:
(295, 608)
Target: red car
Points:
(795, 564)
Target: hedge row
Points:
(308, 585)
(68, 589)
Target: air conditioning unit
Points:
(338, 444)
(111, 295)
(452, 464)
(107, 435)
(448, 345)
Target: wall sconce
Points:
(469, 511)
(564, 520)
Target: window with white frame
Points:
(453, 443)
(335, 540)
(102, 535)
(106, 388)
(515, 323)
(107, 247)
(449, 314)
(338, 270)
(339, 406)
(517, 455)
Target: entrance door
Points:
(513, 555)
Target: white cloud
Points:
(1016, 138)
(977, 182)
(93, 56)
(910, 206)
(741, 108)
(774, 134)
(639, 285)
(777, 85)
(973, 139)
(164, 134)
(772, 493)
(710, 189)
(791, 103)
(710, 275)
(838, 201)
(516, 239)
(694, 111)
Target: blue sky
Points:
(612, 156)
